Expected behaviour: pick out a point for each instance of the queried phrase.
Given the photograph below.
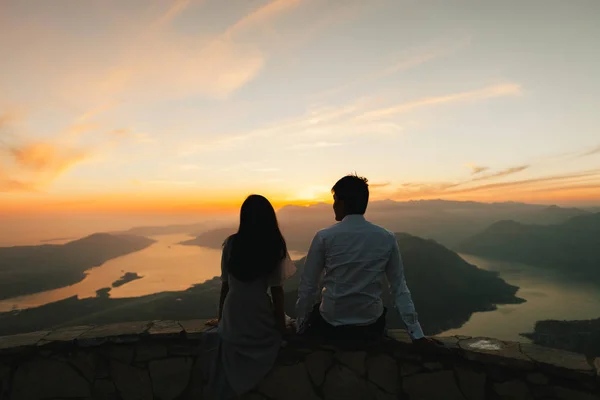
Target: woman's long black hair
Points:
(258, 246)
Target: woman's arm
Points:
(278, 307)
(224, 291)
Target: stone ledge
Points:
(164, 360)
(486, 351)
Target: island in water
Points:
(32, 269)
(577, 336)
(446, 289)
(126, 278)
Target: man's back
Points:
(356, 255)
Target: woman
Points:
(251, 323)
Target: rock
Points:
(195, 389)
(165, 328)
(471, 383)
(434, 385)
(355, 360)
(85, 363)
(22, 340)
(149, 350)
(317, 364)
(252, 396)
(116, 330)
(537, 379)
(561, 393)
(492, 351)
(433, 366)
(66, 334)
(119, 352)
(43, 378)
(559, 361)
(185, 348)
(451, 342)
(104, 389)
(400, 335)
(382, 370)
(341, 383)
(288, 382)
(4, 381)
(132, 383)
(379, 394)
(194, 326)
(513, 389)
(408, 369)
(170, 377)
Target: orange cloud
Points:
(34, 165)
(45, 157)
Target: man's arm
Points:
(400, 293)
(309, 281)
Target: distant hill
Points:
(175, 229)
(572, 246)
(577, 336)
(32, 269)
(445, 288)
(213, 238)
(447, 222)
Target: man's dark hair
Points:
(353, 190)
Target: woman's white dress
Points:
(248, 338)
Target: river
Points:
(165, 266)
(169, 266)
(548, 295)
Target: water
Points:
(549, 295)
(165, 266)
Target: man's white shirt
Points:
(353, 258)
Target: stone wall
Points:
(163, 360)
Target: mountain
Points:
(447, 222)
(445, 288)
(32, 269)
(572, 246)
(577, 336)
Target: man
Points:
(353, 257)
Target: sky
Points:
(148, 107)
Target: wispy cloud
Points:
(262, 15)
(509, 89)
(411, 59)
(379, 185)
(476, 169)
(502, 173)
(591, 152)
(176, 8)
(453, 189)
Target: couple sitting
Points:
(348, 260)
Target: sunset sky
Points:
(168, 106)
